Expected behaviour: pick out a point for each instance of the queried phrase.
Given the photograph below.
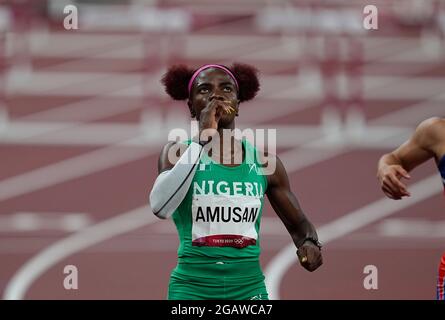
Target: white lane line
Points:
(102, 134)
(411, 115)
(85, 110)
(55, 253)
(37, 221)
(73, 131)
(348, 223)
(411, 228)
(69, 133)
(199, 46)
(72, 168)
(140, 84)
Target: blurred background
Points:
(83, 117)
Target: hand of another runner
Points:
(309, 256)
(389, 177)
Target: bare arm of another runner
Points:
(394, 166)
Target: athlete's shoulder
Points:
(170, 153)
(432, 127)
(175, 144)
(166, 149)
(431, 131)
(266, 159)
(168, 145)
(274, 170)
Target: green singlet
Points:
(218, 224)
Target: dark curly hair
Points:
(177, 77)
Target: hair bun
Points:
(176, 80)
(247, 77)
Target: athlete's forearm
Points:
(388, 160)
(172, 185)
(305, 230)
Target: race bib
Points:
(225, 220)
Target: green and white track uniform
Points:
(218, 224)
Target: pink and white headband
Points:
(211, 66)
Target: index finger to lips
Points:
(222, 105)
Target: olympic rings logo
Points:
(238, 241)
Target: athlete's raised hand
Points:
(210, 115)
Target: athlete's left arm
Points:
(286, 205)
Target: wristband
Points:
(313, 240)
